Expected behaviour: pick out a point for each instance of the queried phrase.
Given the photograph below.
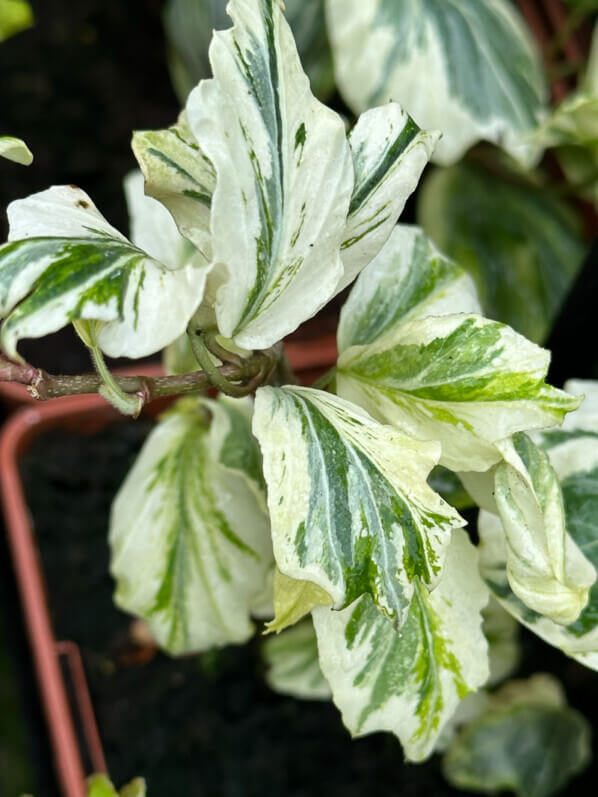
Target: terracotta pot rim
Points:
(18, 432)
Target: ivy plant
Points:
(310, 512)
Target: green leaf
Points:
(408, 279)
(100, 786)
(293, 666)
(308, 23)
(460, 379)
(65, 262)
(447, 484)
(545, 568)
(573, 454)
(181, 177)
(189, 533)
(15, 16)
(284, 179)
(14, 149)
(466, 67)
(189, 25)
(293, 600)
(349, 504)
(136, 788)
(411, 682)
(389, 154)
(505, 234)
(525, 742)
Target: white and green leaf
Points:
(389, 153)
(284, 178)
(189, 535)
(349, 504)
(14, 149)
(468, 68)
(293, 665)
(65, 262)
(545, 568)
(505, 233)
(527, 741)
(409, 682)
(573, 452)
(409, 278)
(180, 176)
(460, 379)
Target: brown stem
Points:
(43, 385)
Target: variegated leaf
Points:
(409, 682)
(293, 665)
(573, 452)
(389, 154)
(14, 149)
(180, 176)
(505, 234)
(408, 279)
(526, 741)
(466, 67)
(460, 379)
(15, 16)
(65, 262)
(349, 504)
(189, 536)
(284, 178)
(545, 568)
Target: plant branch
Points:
(43, 386)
